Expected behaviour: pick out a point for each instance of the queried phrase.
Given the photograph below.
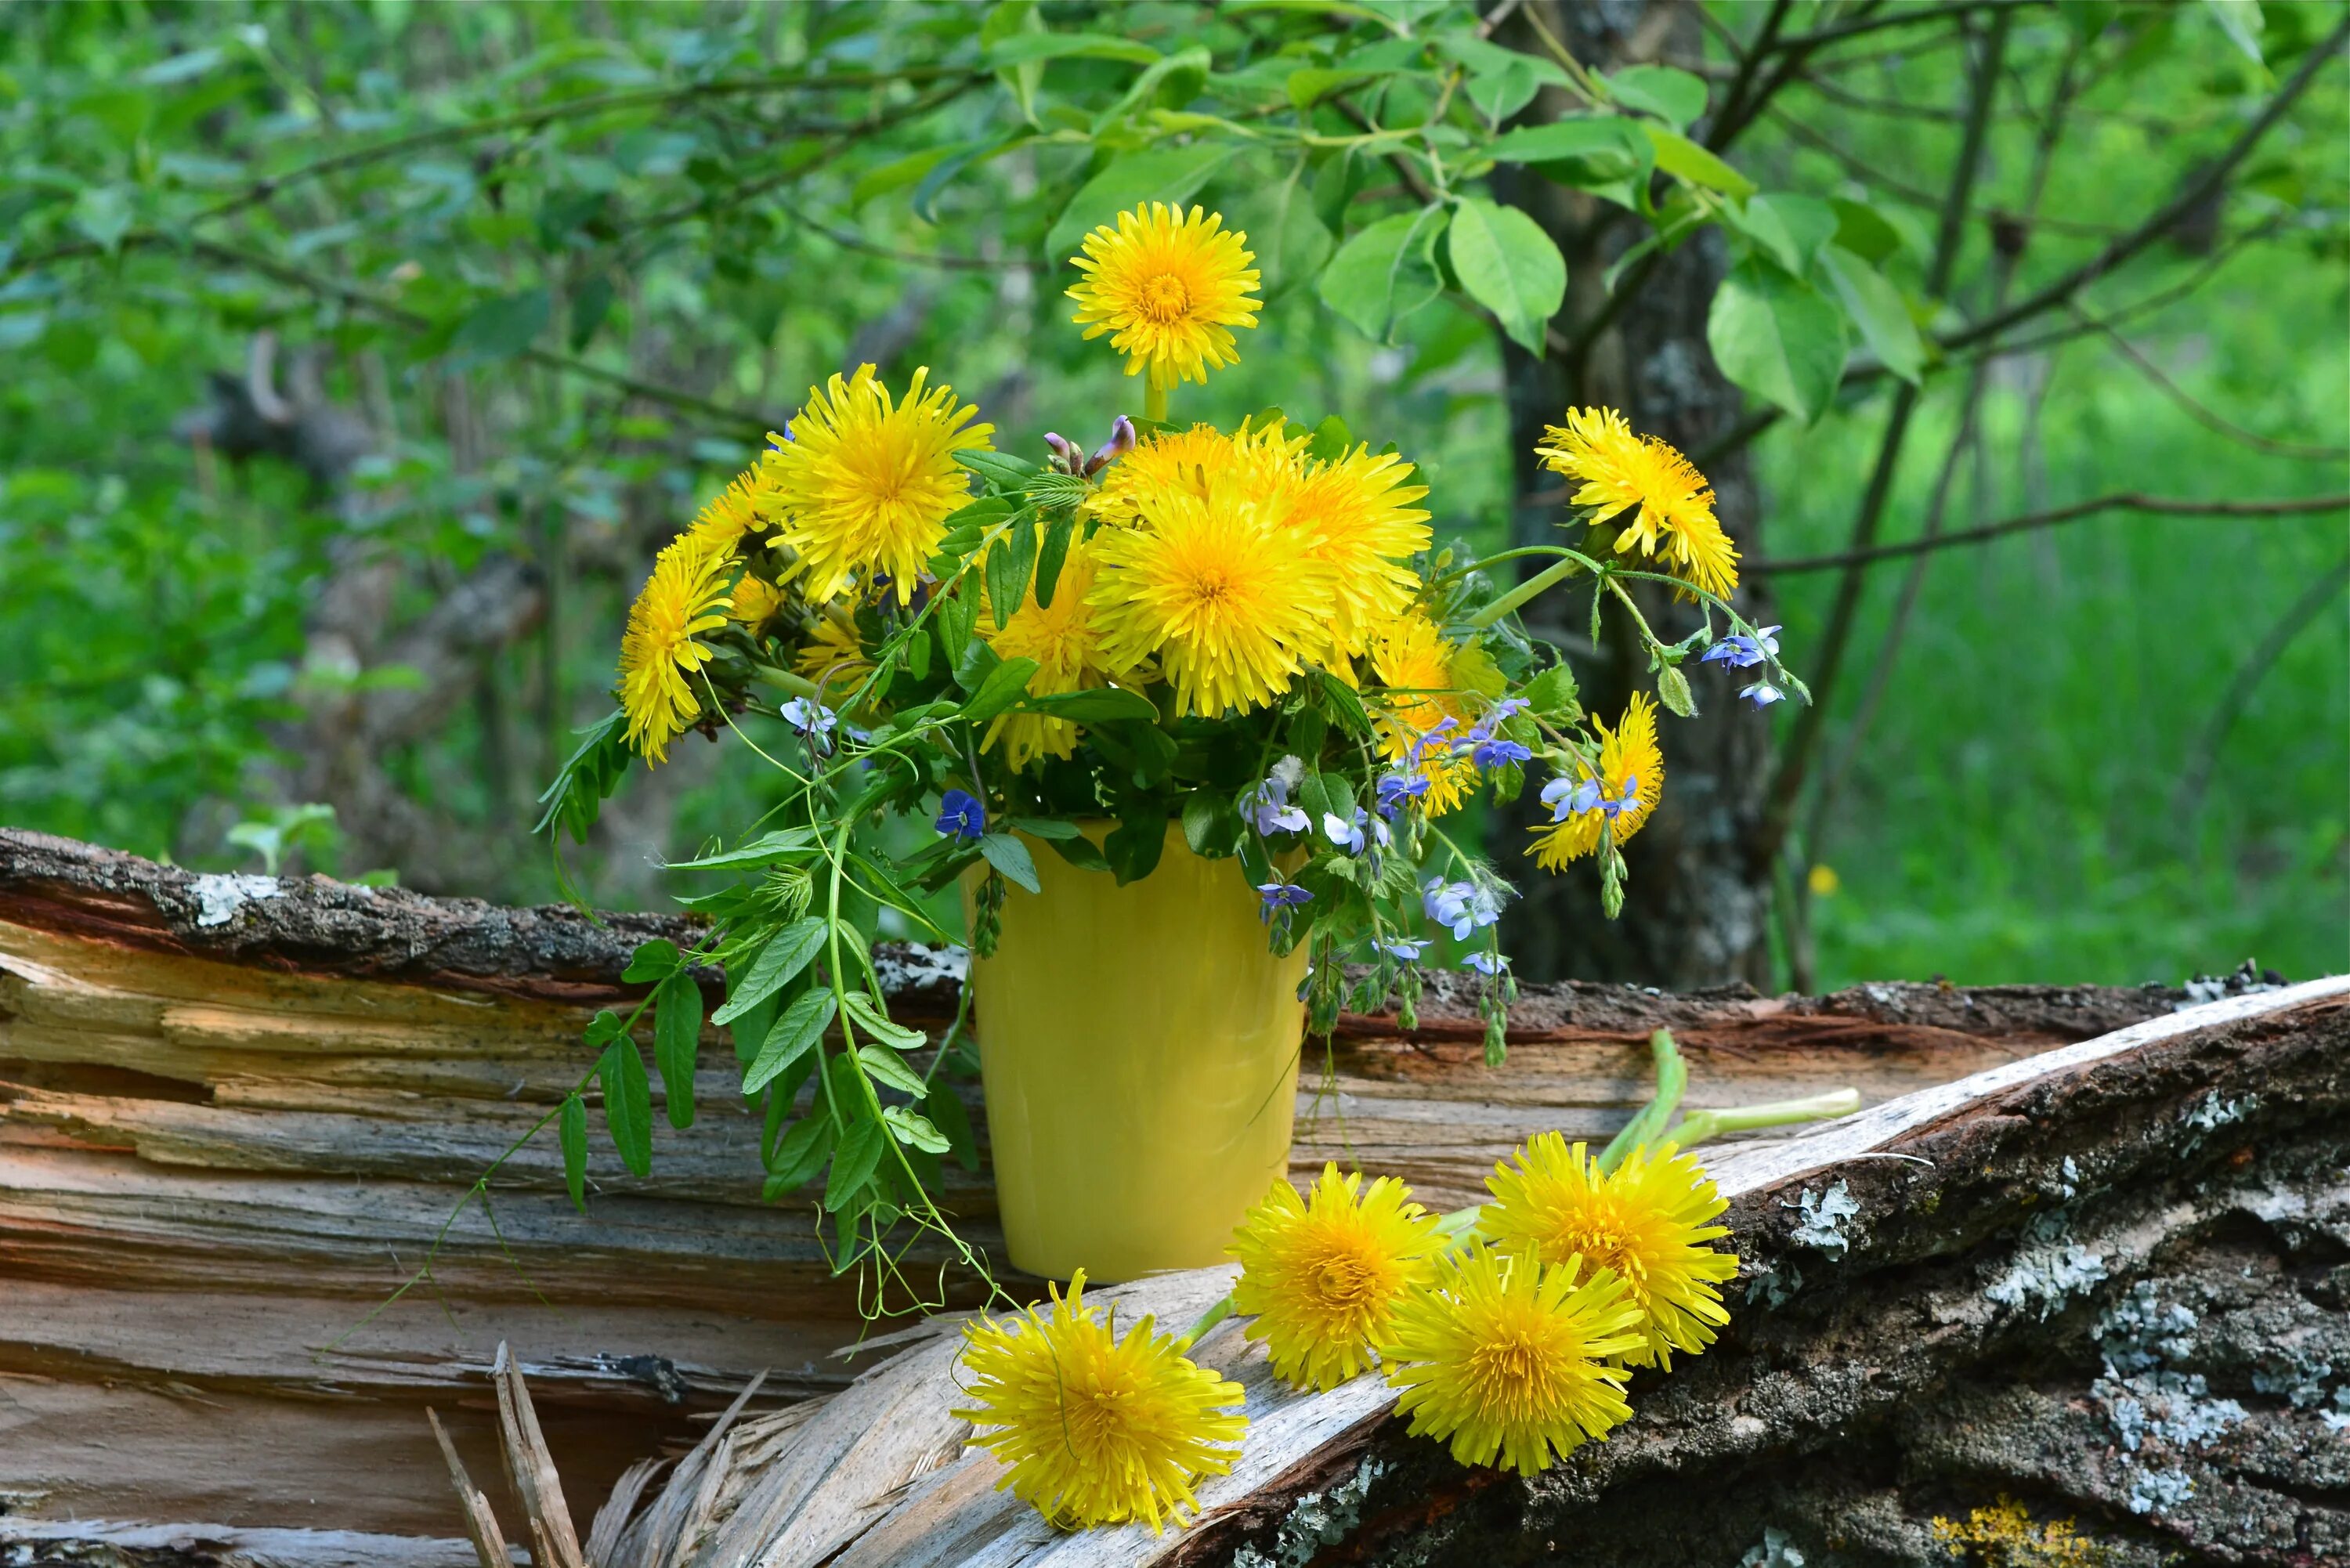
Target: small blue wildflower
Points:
(1345, 834)
(962, 815)
(1270, 810)
(1431, 736)
(1395, 788)
(1570, 797)
(1486, 963)
(1762, 694)
(1628, 801)
(1496, 752)
(1461, 905)
(1280, 896)
(1403, 951)
(811, 719)
(1742, 653)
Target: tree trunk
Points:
(1697, 908)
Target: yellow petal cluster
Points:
(684, 597)
(1507, 1360)
(1648, 1222)
(1168, 288)
(833, 657)
(865, 482)
(1628, 755)
(1095, 1429)
(1065, 639)
(1324, 1274)
(1414, 663)
(1619, 471)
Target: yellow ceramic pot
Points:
(1139, 1047)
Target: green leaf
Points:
(1778, 338)
(1211, 823)
(914, 1129)
(787, 952)
(750, 1028)
(800, 1153)
(1134, 846)
(655, 960)
(1080, 852)
(1051, 554)
(1862, 230)
(1004, 685)
(1677, 155)
(889, 1067)
(783, 844)
(1508, 266)
(1010, 856)
(1288, 237)
(677, 1041)
(1045, 826)
(1552, 693)
(627, 1105)
(500, 328)
(1661, 90)
(2242, 22)
(946, 1114)
(601, 1028)
(853, 1162)
(1094, 705)
(1020, 48)
(1385, 272)
(867, 1015)
(1008, 568)
(1879, 309)
(571, 1132)
(999, 468)
(794, 1035)
(978, 661)
(1169, 174)
(1790, 229)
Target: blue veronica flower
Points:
(1461, 905)
(1280, 896)
(1762, 694)
(962, 815)
(1630, 800)
(1486, 963)
(811, 719)
(1346, 835)
(1431, 736)
(1742, 653)
(1402, 949)
(1270, 809)
(1496, 752)
(1570, 797)
(1506, 708)
(1397, 787)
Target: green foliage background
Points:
(2011, 813)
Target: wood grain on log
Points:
(231, 1130)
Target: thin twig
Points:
(1906, 16)
(2123, 501)
(2203, 757)
(2207, 418)
(1750, 60)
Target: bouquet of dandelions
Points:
(1247, 631)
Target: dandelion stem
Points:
(1700, 1125)
(1154, 399)
(1672, 1078)
(1548, 577)
(1216, 1314)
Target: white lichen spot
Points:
(219, 897)
(1822, 1225)
(1317, 1519)
(2156, 1413)
(2213, 1115)
(1773, 1550)
(2048, 1268)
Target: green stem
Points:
(1154, 398)
(1221, 1310)
(1672, 1078)
(1700, 1125)
(1542, 581)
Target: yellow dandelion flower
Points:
(1169, 289)
(1357, 514)
(755, 602)
(742, 507)
(1097, 1430)
(1065, 642)
(866, 481)
(1620, 471)
(1629, 763)
(1180, 461)
(1410, 658)
(1507, 1359)
(1323, 1274)
(1647, 1221)
(684, 597)
(1228, 602)
(833, 657)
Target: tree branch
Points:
(2204, 756)
(1908, 16)
(1787, 780)
(2123, 501)
(2201, 415)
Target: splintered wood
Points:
(235, 1123)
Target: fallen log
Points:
(237, 1114)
